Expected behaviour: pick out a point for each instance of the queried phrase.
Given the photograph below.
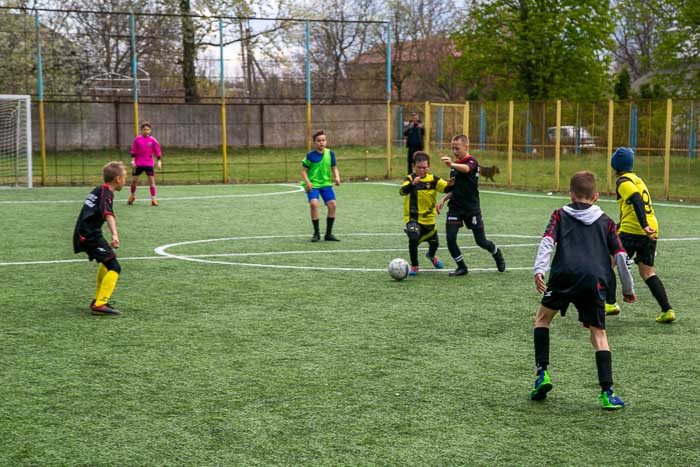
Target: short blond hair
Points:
(112, 170)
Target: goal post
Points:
(15, 141)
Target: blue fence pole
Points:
(578, 130)
(400, 126)
(633, 127)
(528, 131)
(692, 134)
(482, 127)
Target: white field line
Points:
(174, 198)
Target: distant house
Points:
(420, 69)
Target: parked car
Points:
(569, 137)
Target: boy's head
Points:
(114, 173)
(146, 128)
(622, 160)
(421, 163)
(320, 140)
(583, 187)
(460, 146)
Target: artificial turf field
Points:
(243, 343)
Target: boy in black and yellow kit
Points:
(639, 229)
(420, 191)
(87, 237)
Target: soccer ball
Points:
(398, 268)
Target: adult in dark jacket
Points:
(415, 136)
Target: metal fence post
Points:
(611, 116)
(557, 147)
(511, 111)
(667, 150)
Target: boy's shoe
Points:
(542, 386)
(666, 317)
(316, 237)
(500, 261)
(459, 272)
(436, 262)
(132, 198)
(92, 303)
(154, 202)
(611, 310)
(610, 400)
(330, 238)
(104, 310)
(413, 271)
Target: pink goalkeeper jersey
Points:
(143, 149)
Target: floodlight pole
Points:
(308, 85)
(223, 101)
(40, 92)
(388, 100)
(134, 71)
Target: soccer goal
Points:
(15, 141)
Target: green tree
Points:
(679, 46)
(536, 49)
(623, 85)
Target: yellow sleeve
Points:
(441, 184)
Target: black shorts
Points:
(139, 169)
(470, 221)
(98, 250)
(639, 247)
(590, 306)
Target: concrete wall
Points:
(92, 126)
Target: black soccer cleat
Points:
(459, 272)
(500, 261)
(104, 310)
(316, 237)
(330, 238)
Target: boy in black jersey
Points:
(585, 239)
(465, 208)
(87, 237)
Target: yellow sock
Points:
(101, 271)
(109, 282)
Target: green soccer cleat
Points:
(542, 386)
(666, 317)
(610, 400)
(612, 310)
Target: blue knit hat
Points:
(622, 160)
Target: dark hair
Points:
(146, 124)
(420, 156)
(583, 185)
(317, 134)
(112, 170)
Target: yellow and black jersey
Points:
(425, 197)
(629, 185)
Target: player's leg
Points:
(476, 224)
(413, 255)
(313, 197)
(409, 160)
(603, 361)
(433, 244)
(101, 271)
(645, 262)
(452, 226)
(543, 384)
(152, 186)
(134, 184)
(329, 198)
(108, 274)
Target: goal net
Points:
(15, 141)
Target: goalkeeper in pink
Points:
(142, 150)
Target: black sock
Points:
(329, 225)
(461, 265)
(603, 360)
(611, 299)
(541, 348)
(659, 292)
(315, 223)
